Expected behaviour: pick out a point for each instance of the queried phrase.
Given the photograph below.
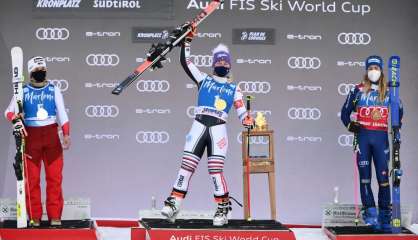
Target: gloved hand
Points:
(192, 33)
(18, 127)
(248, 121)
(354, 127)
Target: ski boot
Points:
(370, 216)
(221, 216)
(385, 216)
(171, 208)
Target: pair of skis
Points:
(157, 53)
(394, 83)
(19, 164)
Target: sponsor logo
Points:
(303, 139)
(304, 88)
(57, 59)
(102, 60)
(201, 60)
(295, 113)
(345, 140)
(149, 34)
(256, 140)
(58, 3)
(354, 38)
(291, 36)
(254, 87)
(191, 111)
(191, 85)
(52, 33)
(152, 111)
(345, 88)
(209, 35)
(254, 36)
(102, 34)
(100, 85)
(130, 4)
(101, 136)
(152, 137)
(304, 63)
(253, 61)
(160, 86)
(62, 84)
(102, 111)
(351, 64)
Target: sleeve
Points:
(61, 113)
(239, 104)
(191, 70)
(10, 110)
(349, 106)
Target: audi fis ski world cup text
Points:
(296, 6)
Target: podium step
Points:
(365, 233)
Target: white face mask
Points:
(374, 75)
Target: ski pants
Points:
(373, 145)
(43, 145)
(214, 139)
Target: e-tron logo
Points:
(304, 139)
(152, 137)
(62, 84)
(191, 111)
(102, 111)
(291, 36)
(102, 34)
(304, 63)
(102, 60)
(209, 35)
(354, 38)
(256, 140)
(345, 88)
(253, 61)
(303, 88)
(201, 60)
(52, 33)
(304, 113)
(350, 63)
(254, 87)
(160, 86)
(345, 140)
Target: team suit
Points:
(216, 96)
(371, 116)
(43, 108)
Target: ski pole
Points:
(248, 98)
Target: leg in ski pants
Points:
(374, 146)
(215, 140)
(43, 145)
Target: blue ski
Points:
(394, 83)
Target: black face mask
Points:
(39, 76)
(221, 71)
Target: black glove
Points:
(354, 127)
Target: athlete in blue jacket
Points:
(216, 96)
(365, 113)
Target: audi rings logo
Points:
(152, 137)
(304, 113)
(254, 87)
(345, 88)
(102, 60)
(102, 111)
(354, 38)
(345, 140)
(191, 111)
(161, 86)
(62, 84)
(259, 140)
(201, 60)
(52, 33)
(304, 63)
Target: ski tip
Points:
(117, 91)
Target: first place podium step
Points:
(202, 229)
